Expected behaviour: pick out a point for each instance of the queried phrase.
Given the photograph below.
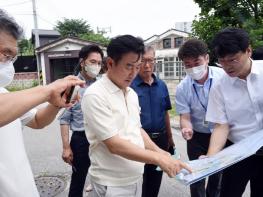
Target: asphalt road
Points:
(44, 149)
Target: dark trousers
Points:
(197, 146)
(81, 162)
(152, 178)
(236, 177)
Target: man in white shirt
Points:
(118, 144)
(236, 106)
(16, 178)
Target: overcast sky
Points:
(142, 18)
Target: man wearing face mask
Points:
(76, 153)
(191, 103)
(17, 110)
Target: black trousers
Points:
(236, 177)
(197, 146)
(81, 162)
(152, 178)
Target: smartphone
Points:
(70, 95)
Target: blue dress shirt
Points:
(192, 98)
(73, 116)
(154, 101)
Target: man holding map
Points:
(236, 106)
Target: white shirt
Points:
(108, 112)
(16, 177)
(239, 103)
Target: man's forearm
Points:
(64, 130)
(128, 150)
(168, 125)
(185, 121)
(44, 117)
(218, 138)
(15, 104)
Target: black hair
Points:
(230, 41)
(86, 50)
(9, 25)
(124, 44)
(257, 54)
(192, 48)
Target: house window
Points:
(178, 42)
(169, 67)
(167, 43)
(159, 67)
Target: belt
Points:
(79, 133)
(155, 135)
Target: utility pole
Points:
(36, 37)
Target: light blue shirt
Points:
(74, 116)
(192, 98)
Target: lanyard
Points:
(205, 108)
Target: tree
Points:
(73, 27)
(80, 28)
(218, 14)
(99, 38)
(25, 47)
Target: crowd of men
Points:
(120, 122)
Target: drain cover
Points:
(49, 186)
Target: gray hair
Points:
(9, 25)
(149, 48)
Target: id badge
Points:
(205, 123)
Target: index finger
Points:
(183, 165)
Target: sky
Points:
(143, 18)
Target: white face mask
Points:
(92, 70)
(7, 73)
(197, 72)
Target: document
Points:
(205, 167)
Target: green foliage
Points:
(25, 47)
(73, 27)
(218, 14)
(80, 28)
(99, 38)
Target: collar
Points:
(139, 81)
(88, 81)
(254, 71)
(110, 86)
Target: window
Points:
(169, 67)
(178, 42)
(159, 67)
(167, 43)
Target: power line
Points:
(46, 20)
(15, 4)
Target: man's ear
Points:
(110, 62)
(249, 51)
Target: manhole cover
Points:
(49, 186)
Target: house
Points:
(58, 58)
(166, 46)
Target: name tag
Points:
(205, 123)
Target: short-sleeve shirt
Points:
(238, 103)
(108, 111)
(154, 101)
(192, 98)
(73, 116)
(16, 177)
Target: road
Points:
(44, 149)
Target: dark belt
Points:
(154, 135)
(79, 133)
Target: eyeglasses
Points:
(4, 58)
(232, 60)
(149, 61)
